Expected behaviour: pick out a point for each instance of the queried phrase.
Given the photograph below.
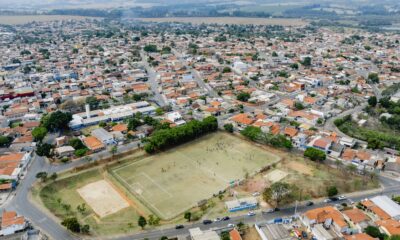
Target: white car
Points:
(217, 220)
(251, 213)
(327, 200)
(231, 225)
(342, 197)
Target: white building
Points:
(198, 234)
(11, 223)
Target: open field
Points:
(175, 181)
(230, 20)
(23, 19)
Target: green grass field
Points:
(175, 181)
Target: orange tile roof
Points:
(320, 215)
(120, 127)
(360, 236)
(242, 118)
(391, 225)
(275, 129)
(235, 235)
(349, 154)
(10, 218)
(291, 131)
(379, 212)
(356, 215)
(322, 142)
(93, 143)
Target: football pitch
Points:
(172, 182)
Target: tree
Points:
(76, 143)
(81, 208)
(243, 96)
(85, 229)
(278, 192)
(331, 191)
(42, 176)
(53, 176)
(44, 149)
(80, 152)
(113, 150)
(374, 232)
(251, 132)
(228, 127)
(299, 105)
(133, 123)
(226, 70)
(72, 224)
(315, 154)
(4, 141)
(373, 78)
(153, 220)
(306, 61)
(57, 120)
(188, 216)
(159, 111)
(142, 222)
(39, 133)
(372, 101)
(150, 48)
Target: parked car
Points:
(277, 209)
(256, 194)
(309, 203)
(231, 225)
(334, 199)
(217, 220)
(251, 213)
(271, 210)
(179, 226)
(304, 235)
(327, 200)
(350, 201)
(342, 197)
(205, 222)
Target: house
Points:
(121, 127)
(65, 151)
(241, 204)
(322, 143)
(321, 233)
(388, 206)
(347, 141)
(357, 219)
(375, 211)
(290, 132)
(93, 144)
(61, 141)
(11, 223)
(242, 120)
(360, 236)
(235, 235)
(198, 234)
(273, 232)
(391, 227)
(13, 164)
(105, 137)
(323, 215)
(176, 118)
(336, 150)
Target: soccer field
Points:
(174, 181)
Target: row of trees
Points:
(255, 134)
(164, 138)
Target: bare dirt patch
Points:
(102, 198)
(275, 176)
(300, 167)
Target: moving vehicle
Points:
(310, 203)
(231, 225)
(179, 226)
(226, 218)
(251, 213)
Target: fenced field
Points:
(172, 182)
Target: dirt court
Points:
(102, 198)
(176, 180)
(275, 176)
(300, 167)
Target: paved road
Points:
(159, 98)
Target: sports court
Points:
(174, 181)
(102, 198)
